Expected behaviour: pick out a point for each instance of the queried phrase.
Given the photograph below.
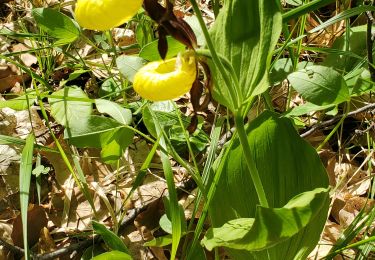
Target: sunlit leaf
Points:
(113, 255)
(56, 24)
(320, 85)
(270, 225)
(246, 32)
(287, 166)
(110, 238)
(70, 106)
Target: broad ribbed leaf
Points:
(270, 225)
(245, 33)
(320, 85)
(287, 165)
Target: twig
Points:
(336, 118)
(14, 249)
(82, 245)
(133, 213)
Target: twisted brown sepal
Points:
(169, 24)
(196, 93)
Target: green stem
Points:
(250, 162)
(235, 96)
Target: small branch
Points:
(336, 118)
(14, 249)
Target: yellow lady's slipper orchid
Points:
(165, 80)
(102, 15)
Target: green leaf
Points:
(287, 166)
(160, 241)
(194, 24)
(150, 51)
(25, 178)
(356, 45)
(168, 119)
(165, 224)
(5, 139)
(129, 65)
(363, 84)
(117, 112)
(246, 32)
(110, 88)
(320, 85)
(110, 238)
(270, 225)
(165, 113)
(343, 15)
(72, 76)
(102, 132)
(114, 144)
(70, 106)
(92, 251)
(88, 132)
(306, 108)
(40, 169)
(113, 255)
(281, 69)
(304, 9)
(56, 24)
(19, 103)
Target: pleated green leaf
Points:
(245, 33)
(271, 225)
(287, 166)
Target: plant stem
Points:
(249, 161)
(235, 96)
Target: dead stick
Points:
(336, 118)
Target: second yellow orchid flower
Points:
(166, 80)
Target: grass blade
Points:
(173, 200)
(25, 178)
(344, 15)
(304, 9)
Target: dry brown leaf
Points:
(147, 221)
(352, 179)
(9, 169)
(46, 243)
(8, 82)
(134, 242)
(329, 237)
(354, 204)
(36, 220)
(123, 37)
(61, 170)
(27, 58)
